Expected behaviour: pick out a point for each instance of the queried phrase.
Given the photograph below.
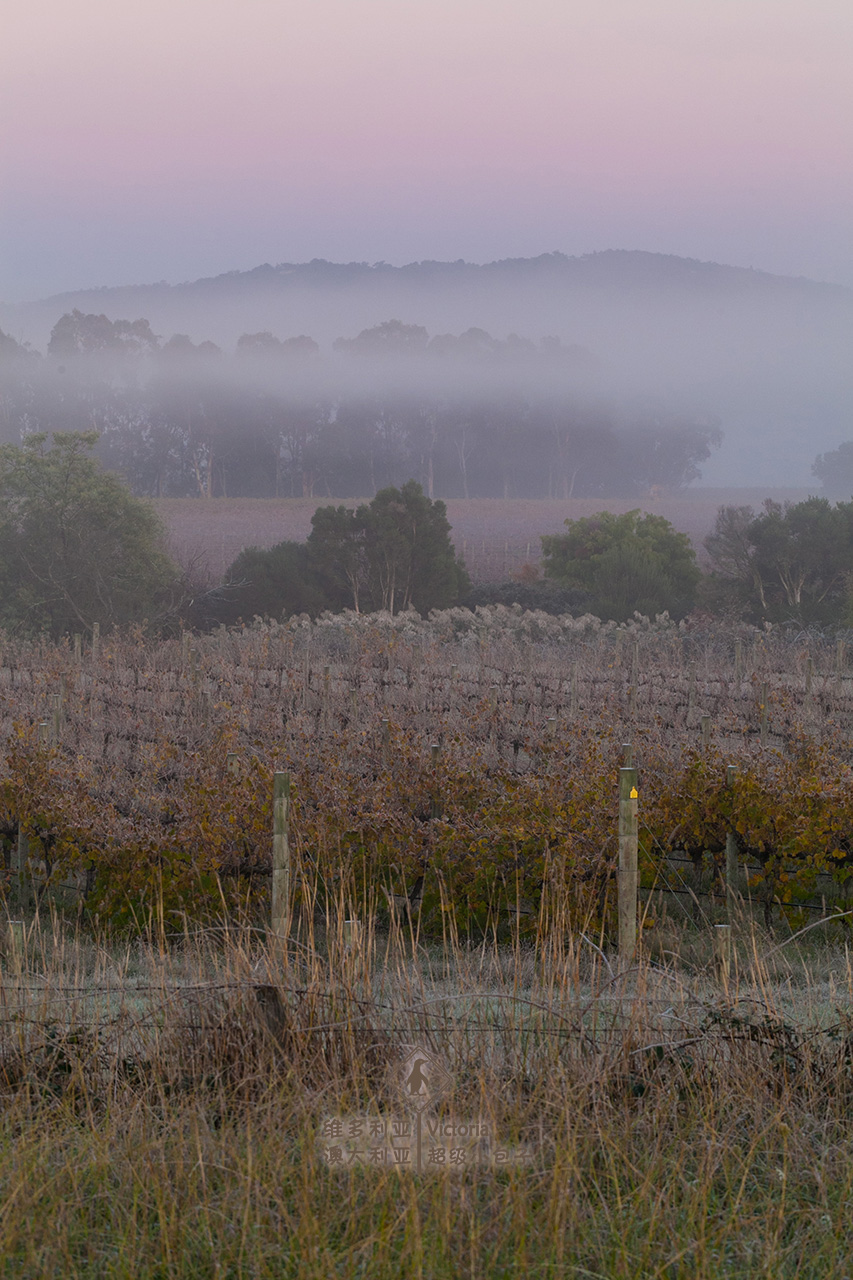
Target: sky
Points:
(175, 139)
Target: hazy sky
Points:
(171, 139)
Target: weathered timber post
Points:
(627, 755)
(56, 728)
(281, 855)
(764, 719)
(96, 642)
(738, 661)
(723, 954)
(731, 856)
(628, 851)
(351, 939)
(78, 647)
(22, 878)
(17, 949)
(705, 723)
(435, 803)
(44, 733)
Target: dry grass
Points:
(162, 1106)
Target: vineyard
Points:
(186, 1092)
(462, 770)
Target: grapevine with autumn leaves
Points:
(450, 795)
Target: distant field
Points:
(495, 536)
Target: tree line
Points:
(78, 549)
(464, 415)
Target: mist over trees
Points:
(766, 356)
(465, 415)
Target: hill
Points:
(766, 355)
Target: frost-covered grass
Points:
(163, 1103)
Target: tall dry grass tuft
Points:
(163, 1104)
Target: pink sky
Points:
(179, 138)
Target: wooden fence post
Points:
(705, 722)
(738, 661)
(281, 855)
(435, 803)
(723, 954)
(628, 849)
(731, 856)
(764, 718)
(96, 642)
(22, 879)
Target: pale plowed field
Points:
(495, 536)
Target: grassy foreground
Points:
(163, 1107)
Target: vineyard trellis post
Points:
(723, 954)
(764, 719)
(705, 723)
(731, 855)
(435, 803)
(22, 880)
(627, 875)
(280, 913)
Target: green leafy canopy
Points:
(627, 563)
(76, 547)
